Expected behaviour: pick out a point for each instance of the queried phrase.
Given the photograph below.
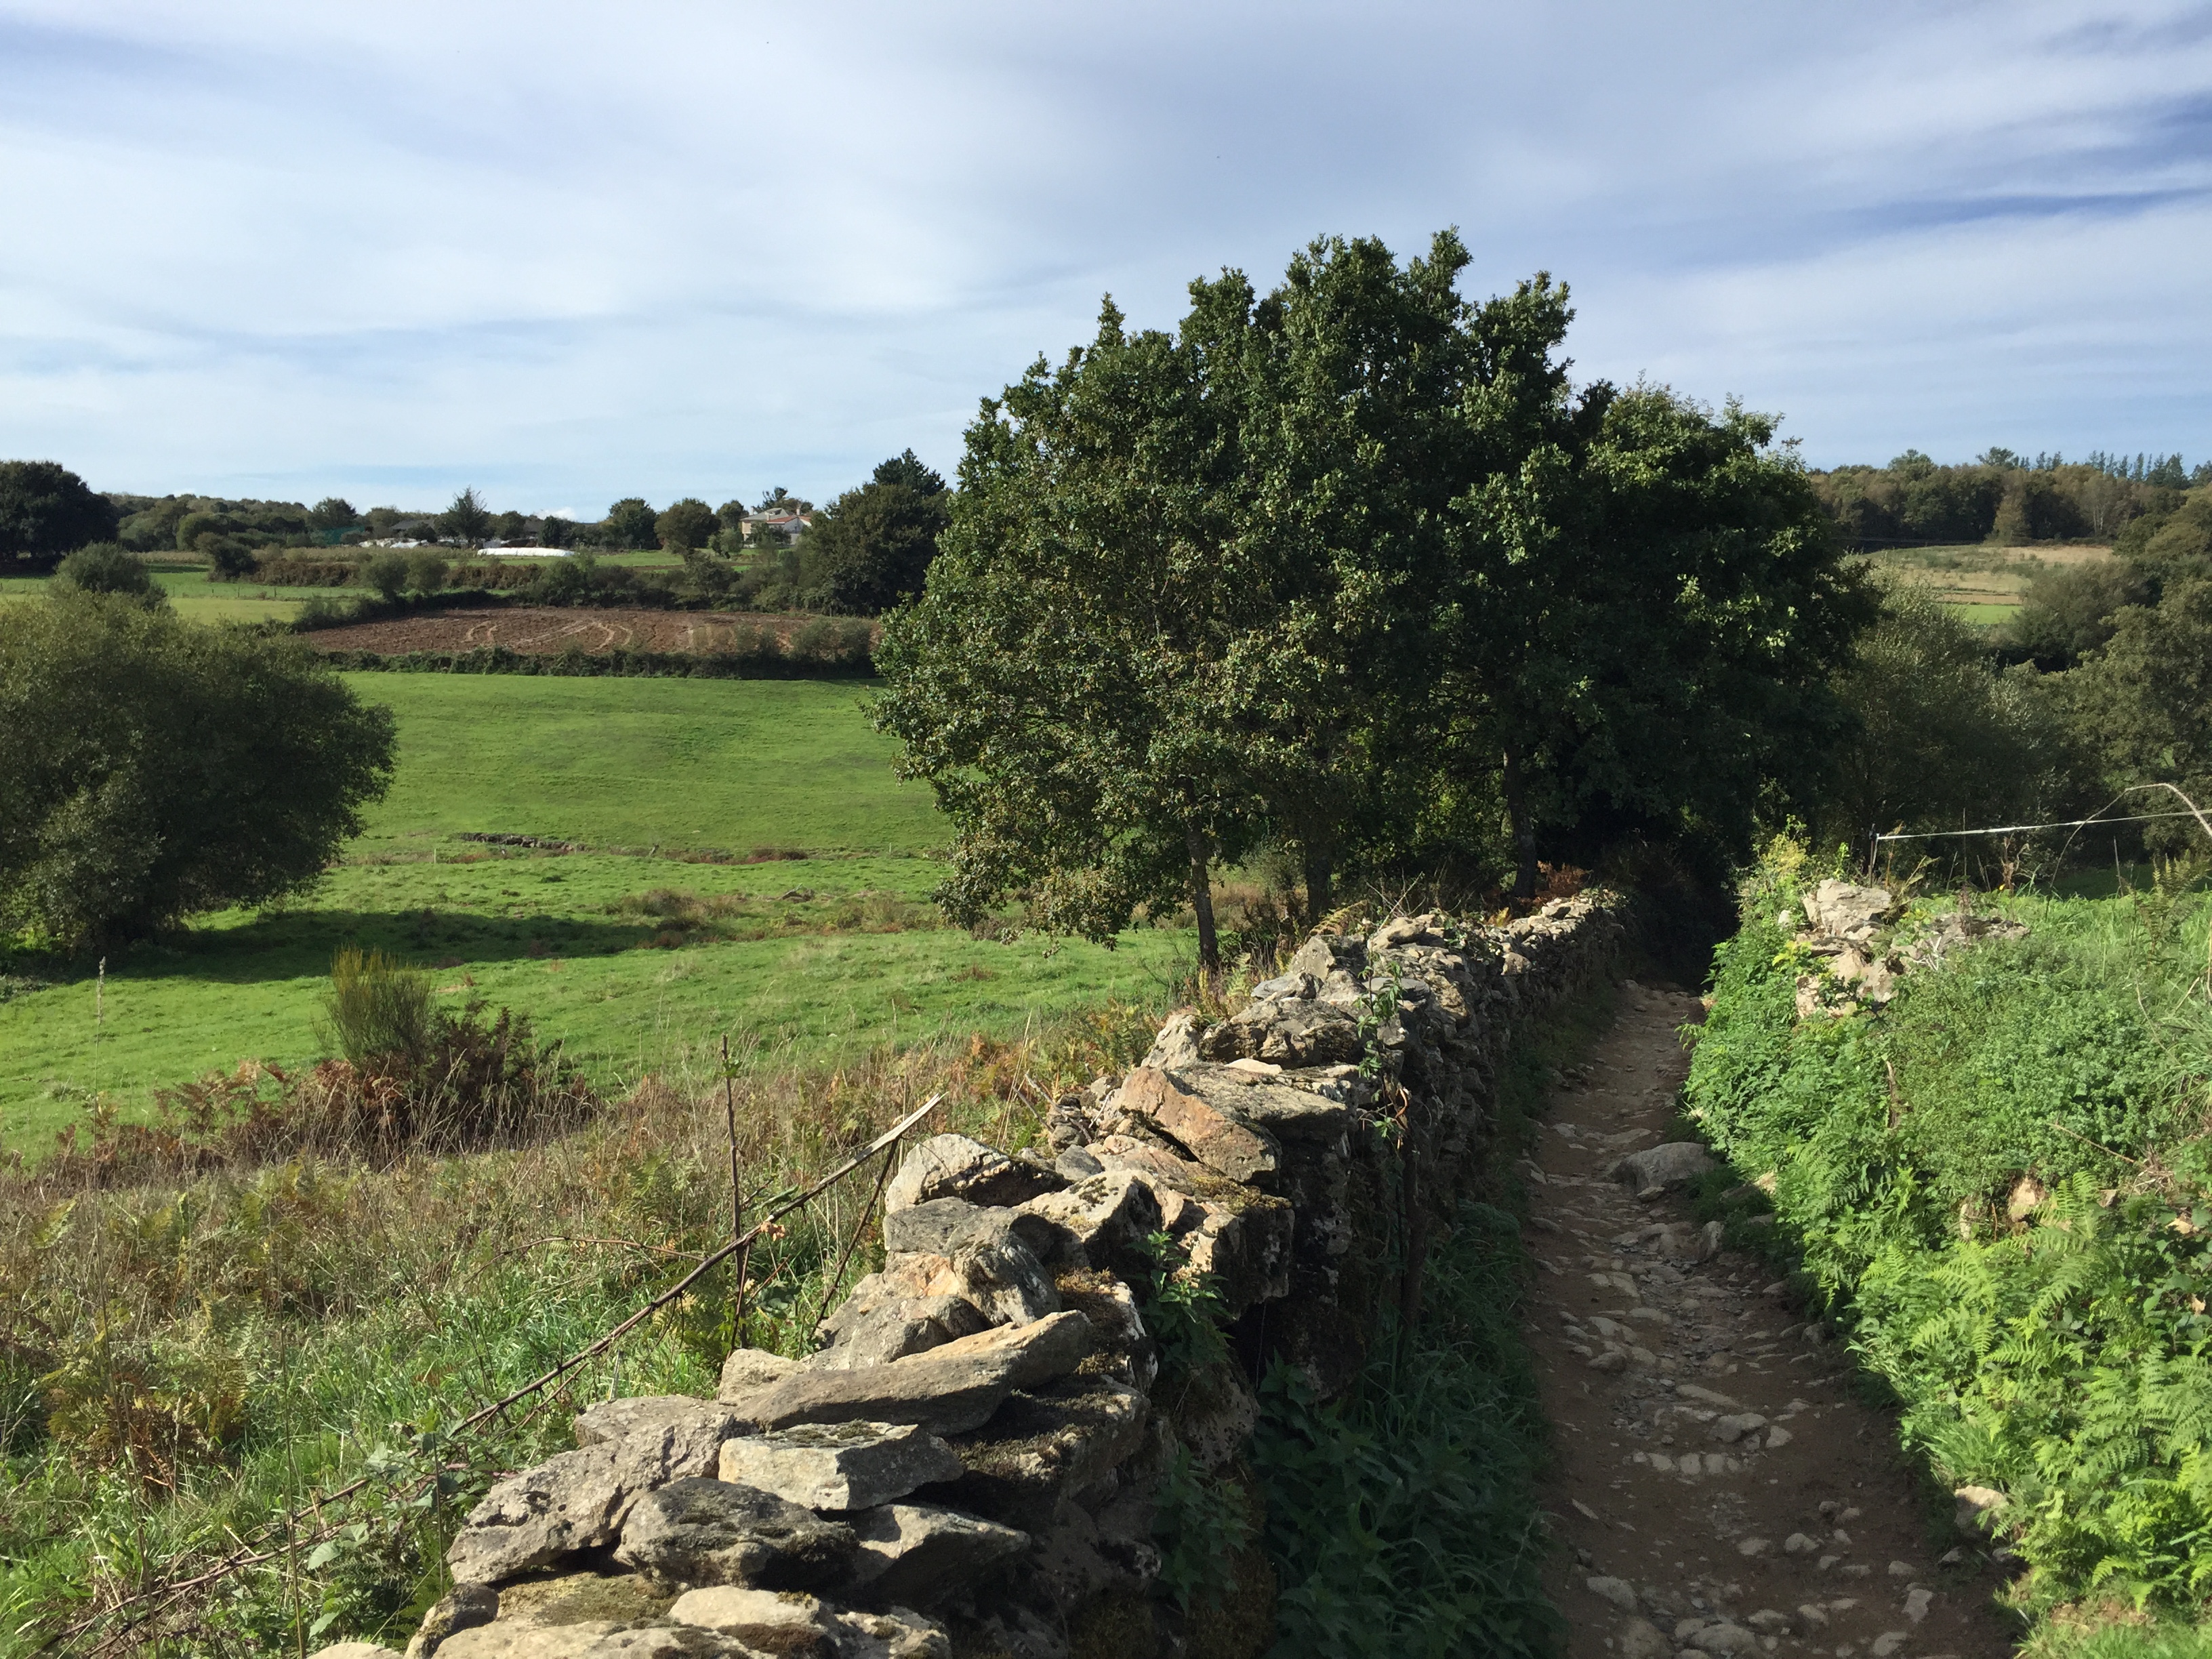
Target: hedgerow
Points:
(1996, 1186)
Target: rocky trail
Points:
(1716, 1486)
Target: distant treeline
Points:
(860, 555)
(2001, 498)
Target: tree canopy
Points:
(685, 525)
(46, 510)
(1054, 681)
(150, 768)
(870, 548)
(908, 469)
(1649, 607)
(1326, 561)
(630, 522)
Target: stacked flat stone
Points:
(973, 1449)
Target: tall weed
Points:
(376, 1006)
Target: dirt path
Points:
(1718, 1490)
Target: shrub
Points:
(831, 639)
(150, 768)
(376, 1006)
(308, 568)
(707, 577)
(323, 611)
(472, 1082)
(386, 572)
(467, 1081)
(230, 560)
(426, 571)
(108, 568)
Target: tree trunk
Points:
(1321, 877)
(1201, 902)
(1524, 828)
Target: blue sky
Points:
(567, 252)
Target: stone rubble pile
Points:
(1851, 929)
(974, 1449)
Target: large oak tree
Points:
(1326, 556)
(1060, 680)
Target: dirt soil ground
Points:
(1717, 1488)
(549, 629)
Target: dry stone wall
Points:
(968, 1464)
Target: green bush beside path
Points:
(1996, 1186)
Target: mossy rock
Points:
(622, 1599)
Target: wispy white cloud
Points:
(572, 251)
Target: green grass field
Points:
(819, 957)
(633, 762)
(1981, 581)
(1986, 614)
(196, 597)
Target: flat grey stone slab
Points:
(715, 1531)
(947, 1390)
(840, 1466)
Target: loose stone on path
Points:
(1715, 1492)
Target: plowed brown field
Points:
(546, 630)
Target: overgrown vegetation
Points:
(182, 1362)
(1996, 1186)
(1402, 1518)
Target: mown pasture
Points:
(639, 955)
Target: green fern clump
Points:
(1996, 1185)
